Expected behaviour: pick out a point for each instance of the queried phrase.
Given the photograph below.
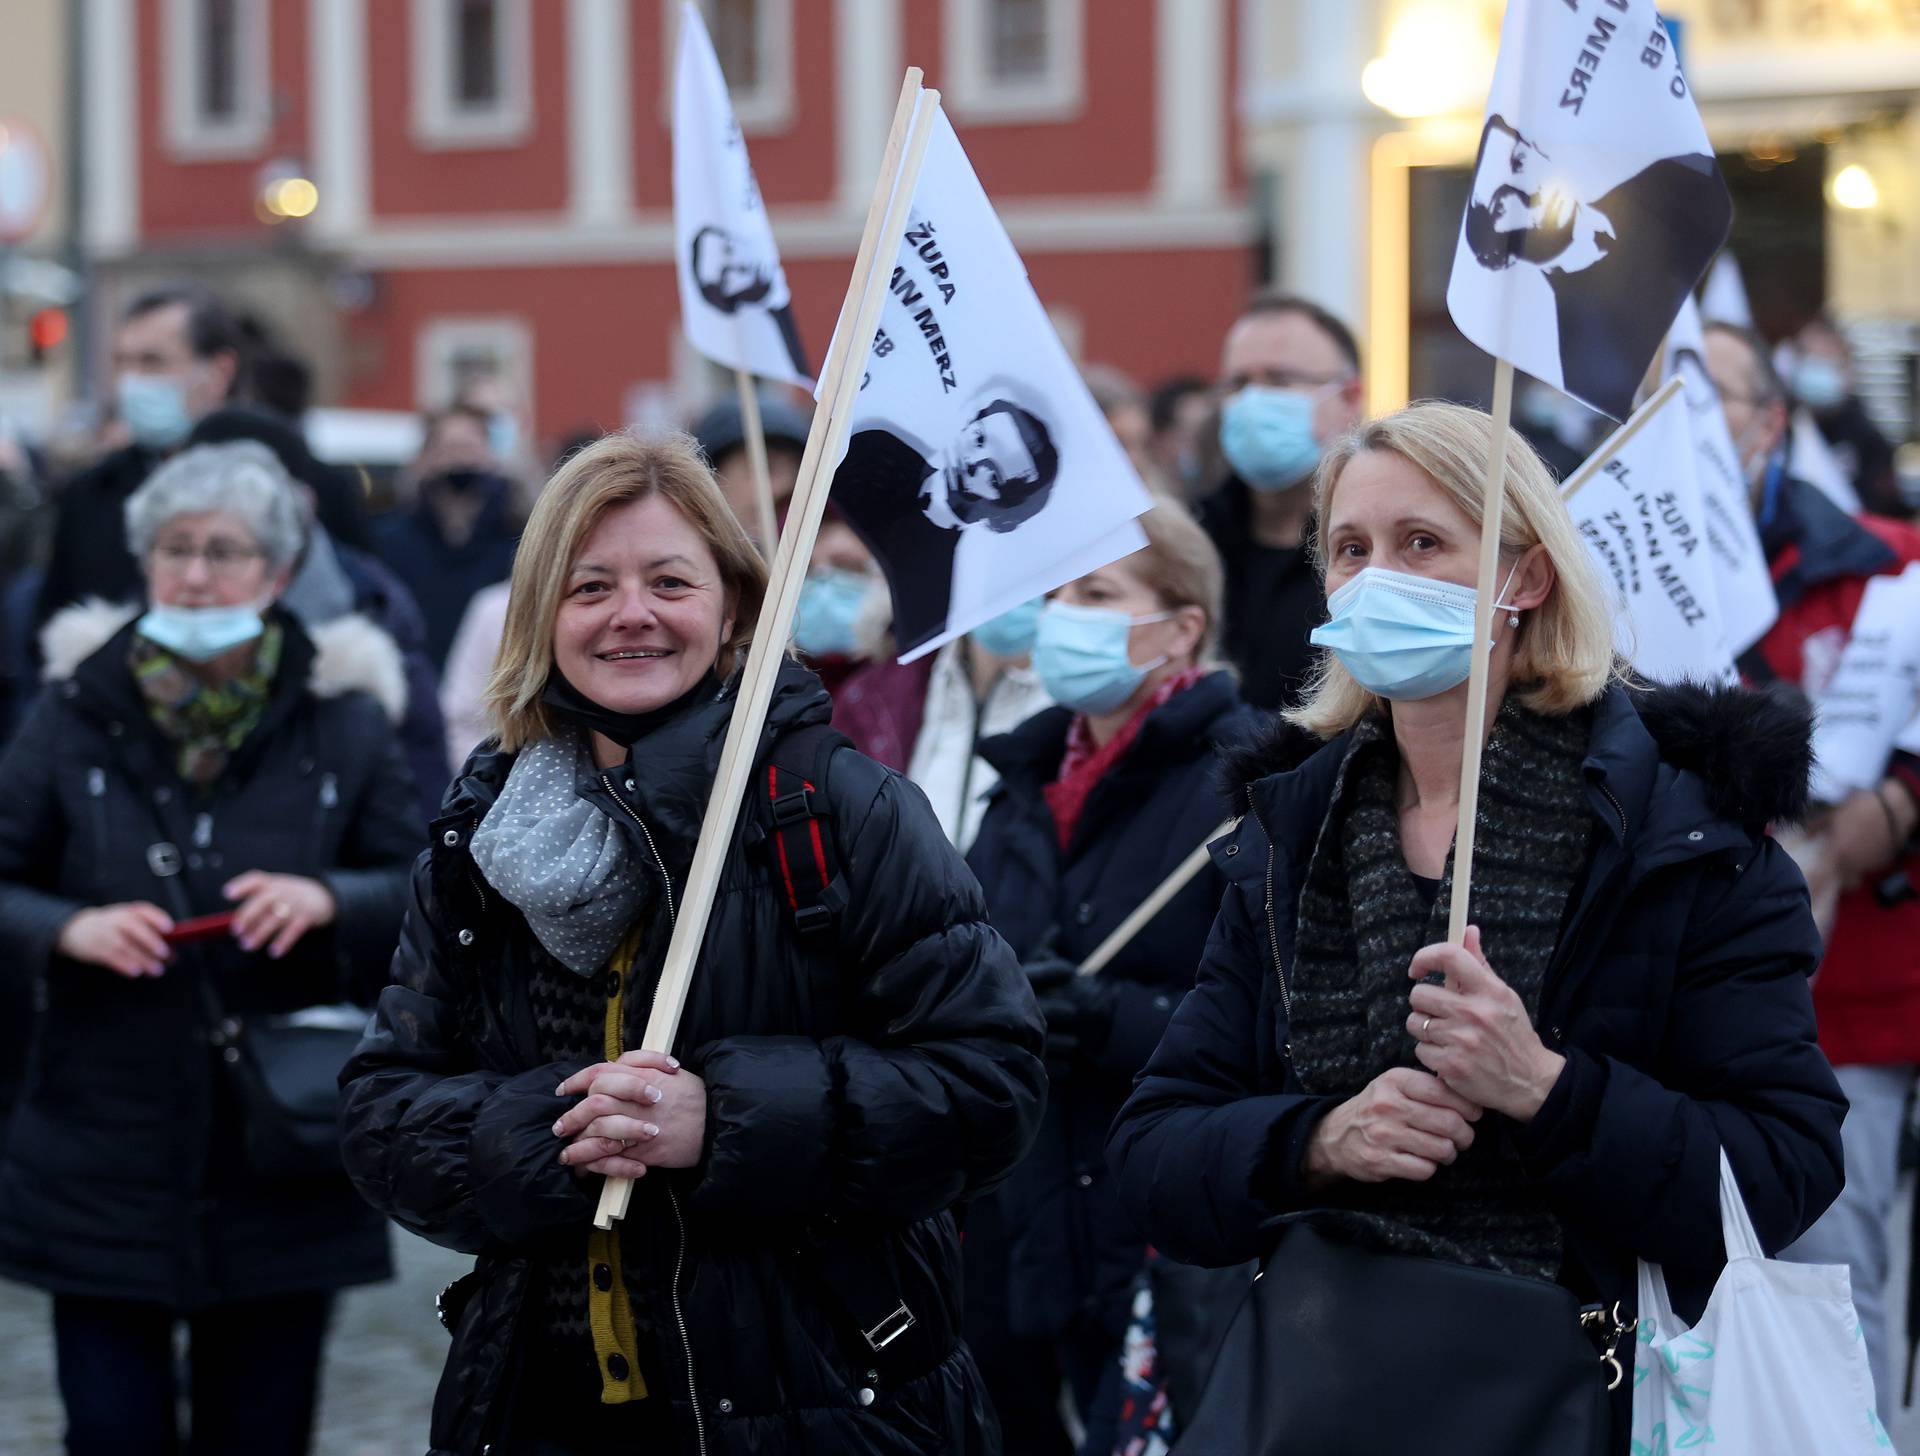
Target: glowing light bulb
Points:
(1855, 189)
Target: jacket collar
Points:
(1810, 540)
(1198, 720)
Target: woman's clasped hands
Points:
(642, 1111)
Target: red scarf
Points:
(1086, 763)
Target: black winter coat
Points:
(123, 1175)
(1678, 996)
(1073, 1252)
(859, 1086)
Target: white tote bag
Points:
(1776, 1367)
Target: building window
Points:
(217, 103)
(456, 355)
(754, 41)
(472, 72)
(1014, 60)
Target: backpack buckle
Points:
(793, 807)
(889, 1329)
(812, 919)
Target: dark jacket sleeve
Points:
(458, 1154)
(1209, 1147)
(369, 884)
(934, 1090)
(1635, 1157)
(423, 731)
(32, 833)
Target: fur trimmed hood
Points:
(350, 654)
(1751, 747)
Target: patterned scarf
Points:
(1361, 920)
(556, 856)
(205, 722)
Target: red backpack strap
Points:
(793, 780)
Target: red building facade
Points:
(492, 178)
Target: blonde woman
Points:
(1366, 1106)
(787, 1277)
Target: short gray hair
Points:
(242, 476)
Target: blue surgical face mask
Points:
(1081, 656)
(1267, 436)
(1403, 638)
(154, 409)
(830, 606)
(1819, 383)
(1011, 633)
(200, 634)
(503, 435)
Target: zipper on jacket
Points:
(680, 1319)
(1616, 809)
(1273, 938)
(606, 781)
(679, 1223)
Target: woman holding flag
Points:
(1551, 1099)
(858, 1053)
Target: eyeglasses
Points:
(223, 558)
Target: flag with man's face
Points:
(734, 301)
(1596, 205)
(978, 469)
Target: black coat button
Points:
(617, 1365)
(1084, 915)
(602, 1277)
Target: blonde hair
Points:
(615, 470)
(1182, 566)
(1563, 655)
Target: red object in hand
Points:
(203, 927)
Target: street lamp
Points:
(1853, 188)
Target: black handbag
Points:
(1338, 1350)
(285, 1071)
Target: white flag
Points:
(1645, 526)
(1747, 600)
(1596, 203)
(734, 301)
(1813, 461)
(978, 469)
(1870, 701)
(1724, 299)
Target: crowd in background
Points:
(1073, 770)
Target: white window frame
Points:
(191, 135)
(973, 95)
(768, 107)
(439, 121)
(509, 337)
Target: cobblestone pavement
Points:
(383, 1358)
(385, 1355)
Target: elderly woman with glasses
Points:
(205, 828)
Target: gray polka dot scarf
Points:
(564, 863)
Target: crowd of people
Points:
(916, 1177)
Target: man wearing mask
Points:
(1821, 378)
(176, 358)
(1289, 383)
(459, 534)
(1867, 995)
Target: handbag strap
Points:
(1735, 1226)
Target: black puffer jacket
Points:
(123, 1175)
(859, 1086)
(1678, 995)
(1072, 1252)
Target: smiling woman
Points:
(832, 1093)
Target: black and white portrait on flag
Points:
(732, 278)
(1596, 205)
(978, 469)
(996, 474)
(734, 301)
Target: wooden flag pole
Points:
(1141, 914)
(1488, 587)
(826, 441)
(1600, 459)
(755, 438)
